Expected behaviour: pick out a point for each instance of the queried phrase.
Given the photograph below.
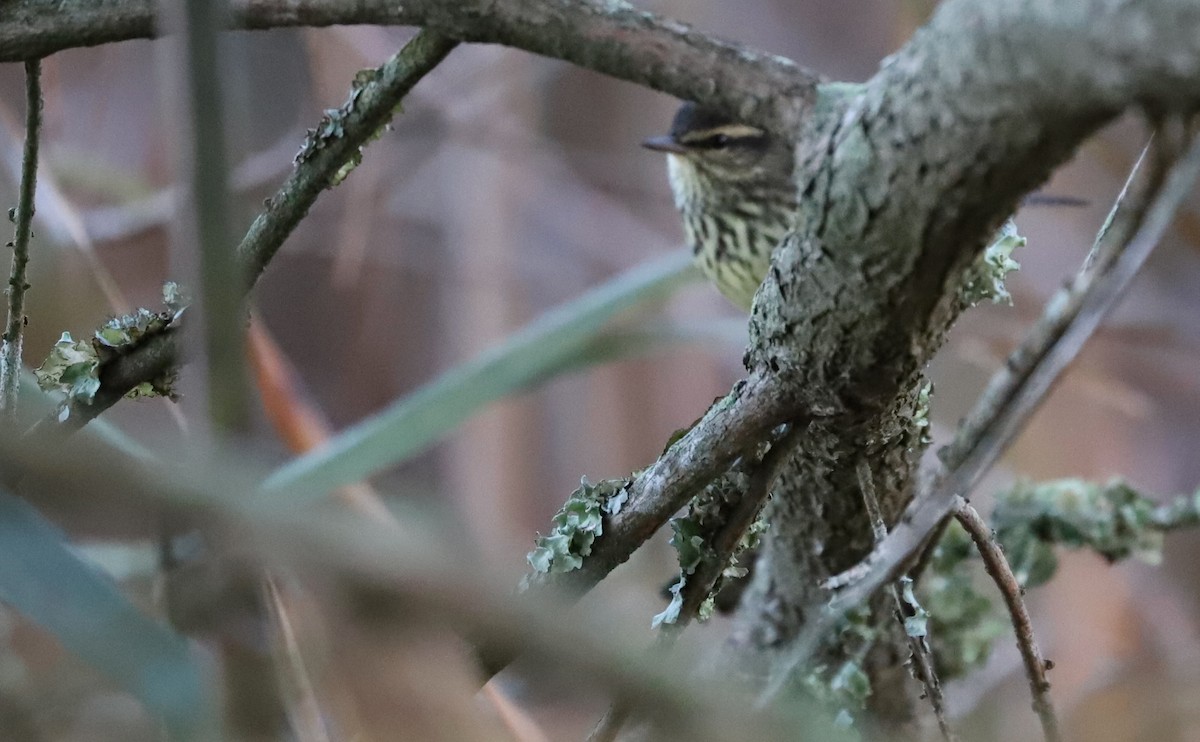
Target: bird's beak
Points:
(665, 144)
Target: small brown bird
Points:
(733, 185)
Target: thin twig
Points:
(14, 331)
(372, 107)
(1069, 320)
(918, 646)
(1001, 573)
(729, 427)
(706, 578)
(1126, 214)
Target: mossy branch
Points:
(333, 145)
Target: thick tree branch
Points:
(612, 37)
(902, 187)
(1073, 315)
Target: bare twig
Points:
(1069, 320)
(1002, 574)
(706, 578)
(918, 646)
(14, 331)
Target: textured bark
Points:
(902, 185)
(608, 36)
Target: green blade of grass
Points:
(46, 580)
(422, 418)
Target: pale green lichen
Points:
(577, 525)
(691, 536)
(962, 622)
(73, 367)
(844, 688)
(916, 624)
(1112, 519)
(984, 280)
(332, 127)
(920, 419)
(1031, 522)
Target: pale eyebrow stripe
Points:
(733, 131)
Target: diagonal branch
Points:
(1076, 313)
(731, 426)
(370, 107)
(1001, 573)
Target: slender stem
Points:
(369, 108)
(918, 646)
(1001, 573)
(14, 331)
(706, 579)
(221, 303)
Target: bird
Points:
(732, 183)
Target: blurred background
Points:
(511, 184)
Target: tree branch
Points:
(609, 37)
(14, 332)
(660, 490)
(1074, 315)
(1002, 574)
(329, 149)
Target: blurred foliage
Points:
(1031, 521)
(1113, 519)
(538, 352)
(52, 585)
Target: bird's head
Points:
(720, 147)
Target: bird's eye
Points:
(720, 140)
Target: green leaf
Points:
(531, 356)
(47, 581)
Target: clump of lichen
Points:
(984, 280)
(577, 525)
(1031, 521)
(844, 687)
(332, 127)
(73, 367)
(1112, 519)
